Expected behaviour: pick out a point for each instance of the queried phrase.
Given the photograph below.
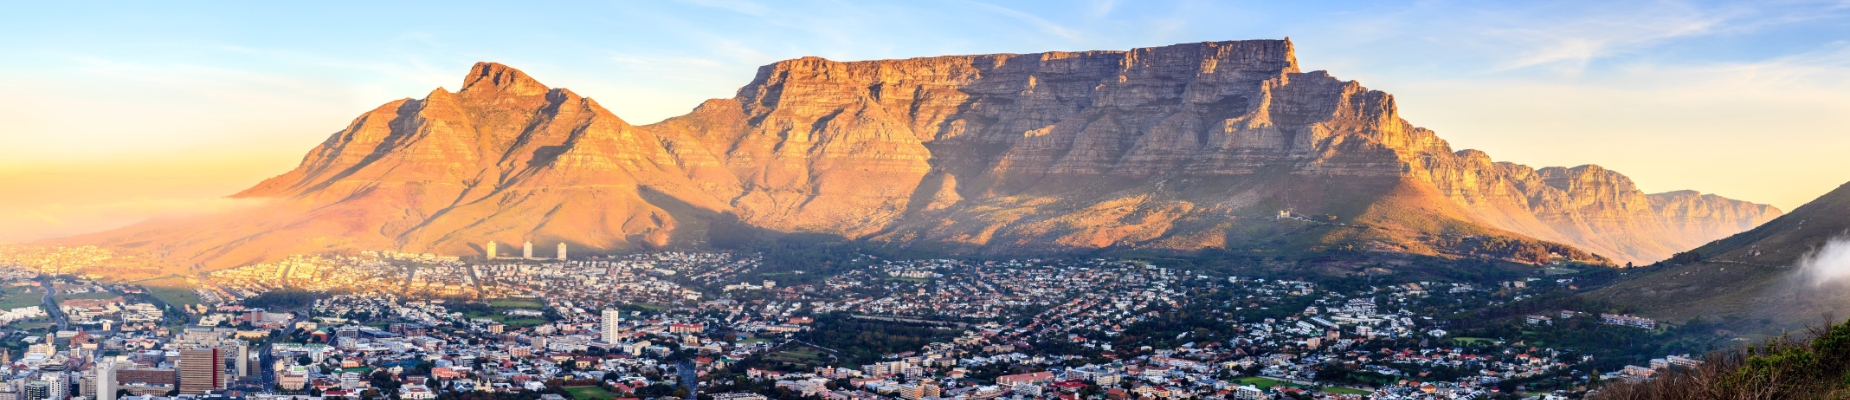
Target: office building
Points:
(38, 390)
(527, 251)
(491, 249)
(58, 388)
(201, 370)
(561, 251)
(105, 381)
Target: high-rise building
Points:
(613, 321)
(59, 387)
(527, 251)
(86, 383)
(105, 381)
(491, 249)
(244, 359)
(201, 370)
(562, 251)
(38, 390)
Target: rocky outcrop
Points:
(1182, 147)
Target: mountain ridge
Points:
(1757, 274)
(1184, 147)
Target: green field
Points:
(1264, 383)
(589, 393)
(173, 290)
(1344, 390)
(88, 296)
(646, 306)
(506, 319)
(798, 355)
(521, 322)
(516, 303)
(36, 325)
(16, 297)
(1471, 340)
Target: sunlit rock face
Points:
(1183, 147)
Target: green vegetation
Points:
(283, 299)
(1263, 383)
(1551, 271)
(642, 307)
(1344, 390)
(589, 393)
(861, 341)
(498, 313)
(1611, 346)
(797, 355)
(16, 297)
(173, 290)
(60, 298)
(1469, 341)
(516, 303)
(1779, 368)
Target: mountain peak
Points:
(501, 78)
(1173, 147)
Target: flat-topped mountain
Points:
(1185, 147)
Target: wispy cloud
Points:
(1571, 44)
(1042, 24)
(738, 6)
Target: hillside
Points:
(1178, 148)
(1752, 276)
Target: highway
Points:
(51, 306)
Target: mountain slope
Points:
(504, 158)
(1751, 275)
(1183, 147)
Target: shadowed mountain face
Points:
(1757, 275)
(1184, 147)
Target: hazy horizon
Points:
(120, 114)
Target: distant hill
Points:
(1750, 276)
(1183, 148)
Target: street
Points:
(51, 306)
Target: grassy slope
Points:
(174, 290)
(1748, 276)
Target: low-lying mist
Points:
(1828, 263)
(59, 220)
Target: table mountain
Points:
(1184, 147)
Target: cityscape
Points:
(691, 324)
(925, 200)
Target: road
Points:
(690, 379)
(913, 320)
(51, 306)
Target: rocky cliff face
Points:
(1180, 147)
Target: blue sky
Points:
(159, 105)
